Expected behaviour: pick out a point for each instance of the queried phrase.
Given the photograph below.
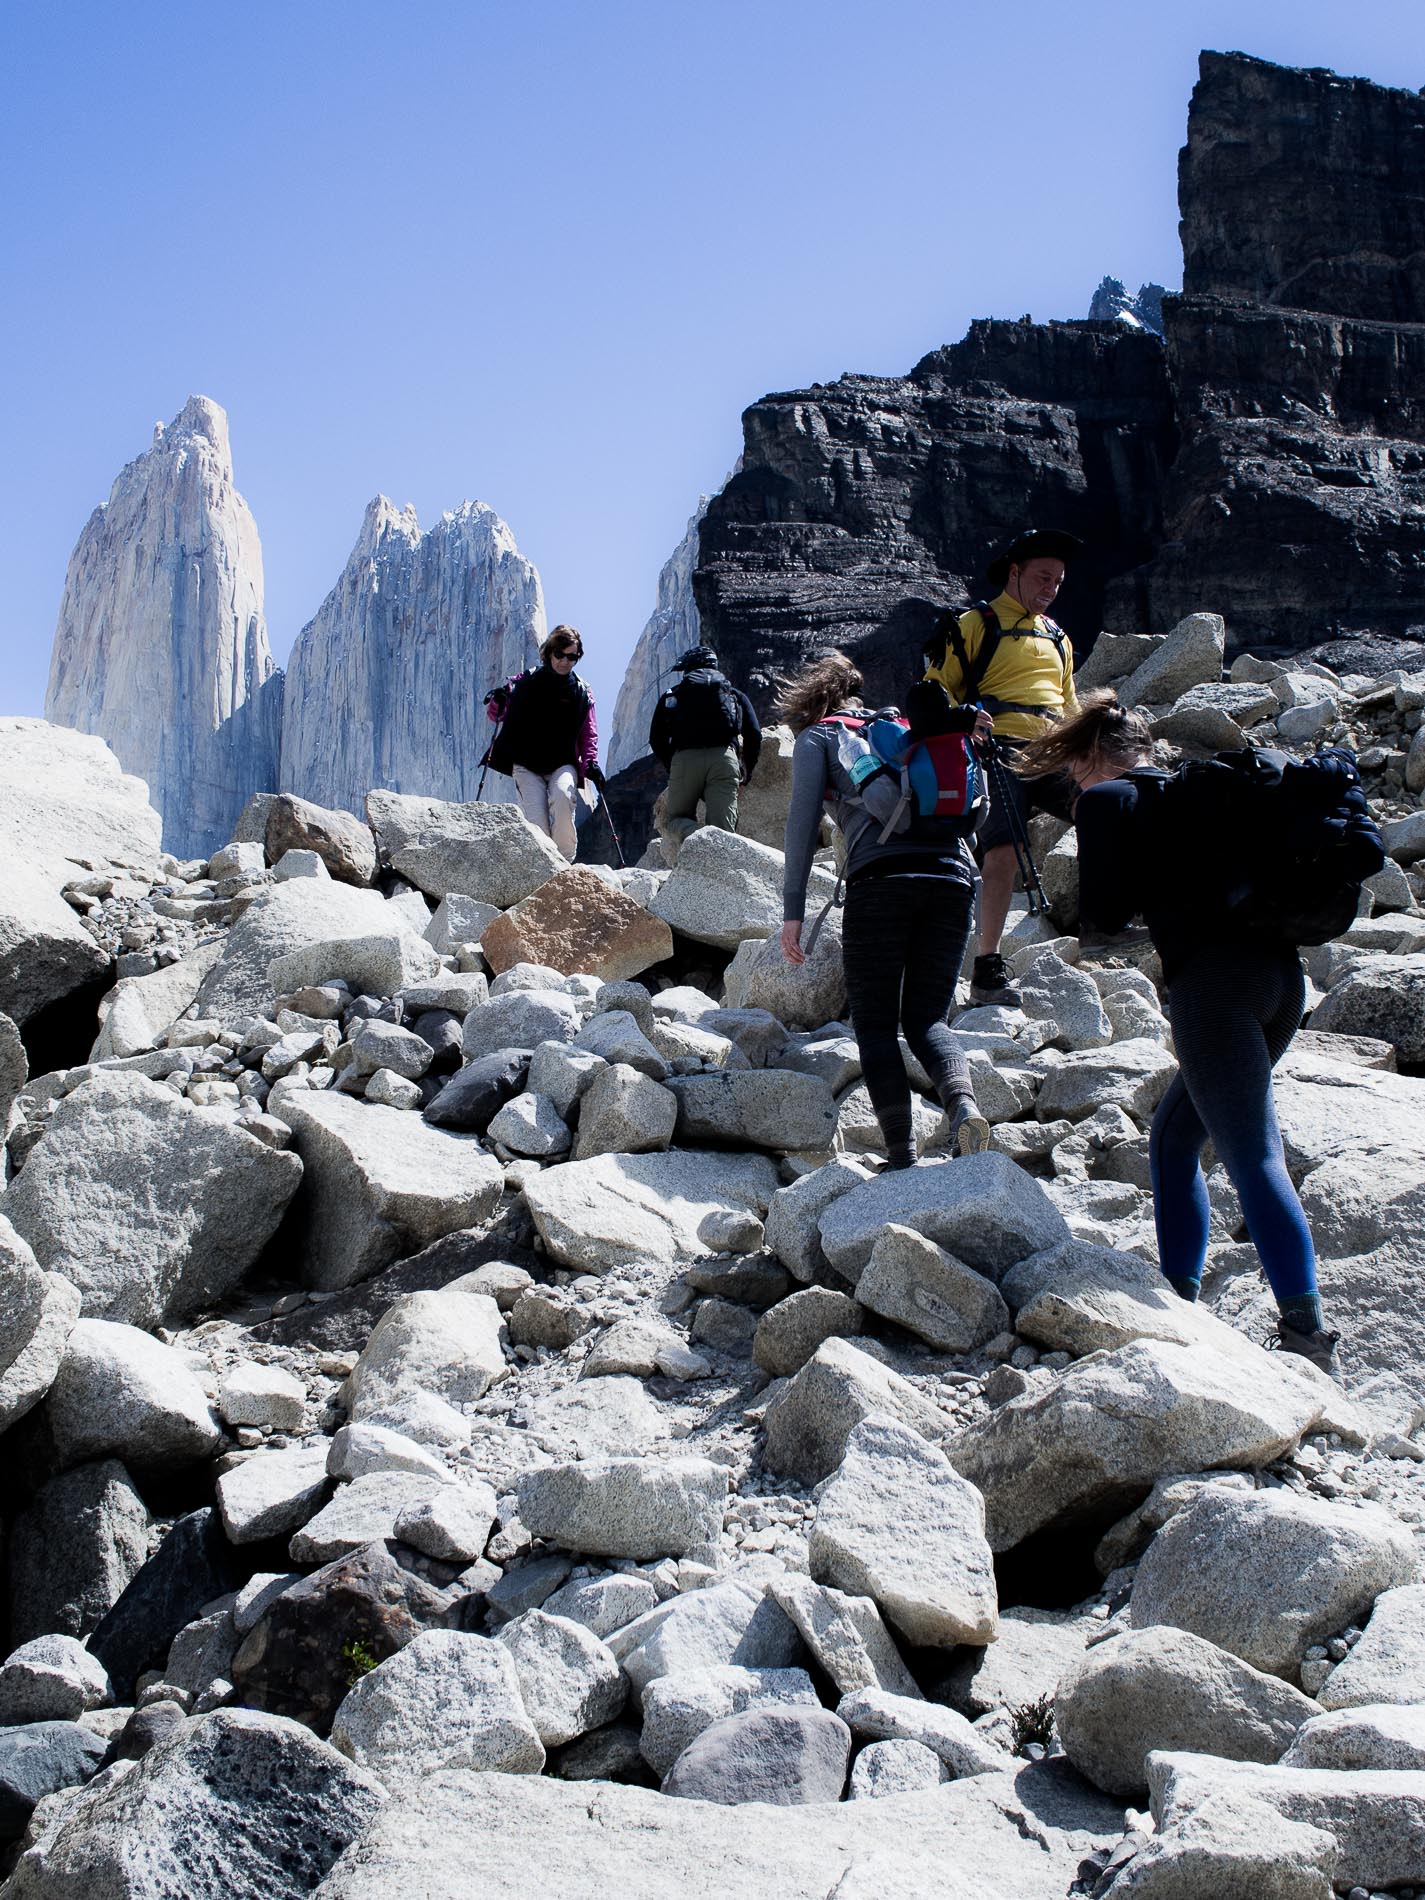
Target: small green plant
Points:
(1034, 1723)
(360, 1658)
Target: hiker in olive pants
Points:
(708, 736)
(707, 772)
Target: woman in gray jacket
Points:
(908, 909)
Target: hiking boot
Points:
(1319, 1347)
(990, 986)
(968, 1132)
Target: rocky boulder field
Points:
(479, 1418)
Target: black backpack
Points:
(703, 711)
(1278, 845)
(973, 671)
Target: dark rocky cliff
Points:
(1267, 463)
(864, 503)
(1303, 189)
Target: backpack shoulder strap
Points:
(976, 669)
(1057, 634)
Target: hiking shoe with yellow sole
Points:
(969, 1132)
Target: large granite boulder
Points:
(1190, 656)
(486, 851)
(677, 1708)
(380, 1184)
(1100, 1434)
(39, 1310)
(287, 918)
(626, 1507)
(756, 1108)
(74, 1550)
(811, 1419)
(443, 1343)
(1266, 1574)
(445, 1700)
(613, 1210)
(121, 1393)
(787, 1757)
(1023, 1834)
(343, 843)
(45, 952)
(1165, 1688)
(577, 922)
(1388, 1664)
(236, 1802)
(151, 1207)
(897, 1523)
(1234, 1847)
(67, 805)
(982, 1208)
(1385, 998)
(1377, 1817)
(725, 889)
(140, 1010)
(804, 995)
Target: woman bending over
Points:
(907, 918)
(1234, 997)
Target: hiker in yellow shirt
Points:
(1023, 674)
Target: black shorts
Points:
(1055, 794)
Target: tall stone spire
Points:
(161, 647)
(384, 686)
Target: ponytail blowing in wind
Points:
(1099, 728)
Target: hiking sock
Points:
(1302, 1312)
(898, 1133)
(1185, 1289)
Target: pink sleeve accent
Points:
(588, 740)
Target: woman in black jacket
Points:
(548, 741)
(1234, 995)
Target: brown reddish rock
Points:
(575, 922)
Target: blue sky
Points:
(543, 254)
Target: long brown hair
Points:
(828, 681)
(1119, 736)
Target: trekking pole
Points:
(622, 864)
(1018, 834)
(485, 761)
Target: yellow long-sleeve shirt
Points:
(1026, 669)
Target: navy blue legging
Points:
(1234, 1008)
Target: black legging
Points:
(903, 941)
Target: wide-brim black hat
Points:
(1033, 543)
